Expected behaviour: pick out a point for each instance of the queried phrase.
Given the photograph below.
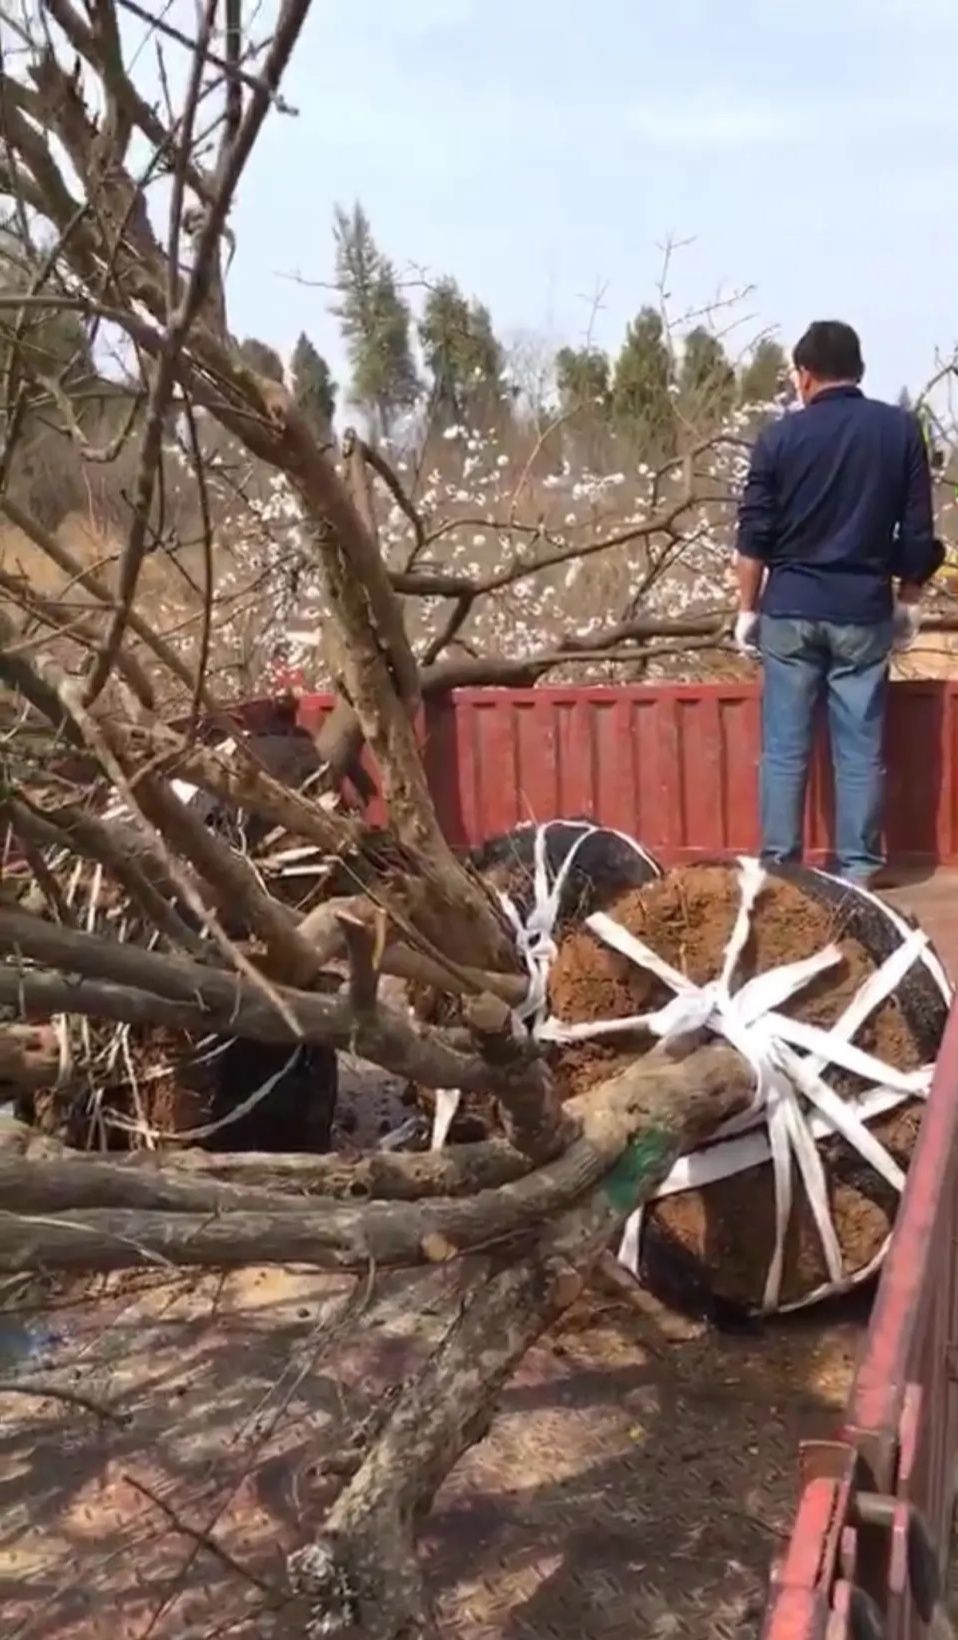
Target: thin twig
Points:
(204, 1540)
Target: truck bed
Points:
(631, 1484)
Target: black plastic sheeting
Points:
(297, 1113)
(605, 865)
(919, 997)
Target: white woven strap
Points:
(534, 935)
(534, 939)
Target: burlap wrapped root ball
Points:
(585, 867)
(717, 1241)
(591, 865)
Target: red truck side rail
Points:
(675, 764)
(873, 1530)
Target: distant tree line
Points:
(450, 363)
(446, 363)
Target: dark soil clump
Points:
(181, 1085)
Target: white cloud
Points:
(710, 119)
(419, 17)
(706, 120)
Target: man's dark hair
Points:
(831, 351)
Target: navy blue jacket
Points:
(838, 506)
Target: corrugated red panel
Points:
(887, 1536)
(676, 765)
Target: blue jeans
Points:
(805, 662)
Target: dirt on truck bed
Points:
(629, 1485)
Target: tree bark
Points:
(457, 915)
(380, 1175)
(72, 1185)
(339, 746)
(29, 1057)
(127, 983)
(361, 1574)
(675, 1103)
(235, 887)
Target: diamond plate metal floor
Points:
(624, 1494)
(627, 1486)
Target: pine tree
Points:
(641, 399)
(461, 353)
(374, 320)
(51, 343)
(904, 399)
(706, 379)
(313, 386)
(765, 375)
(262, 358)
(582, 379)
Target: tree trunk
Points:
(362, 1574)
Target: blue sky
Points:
(541, 149)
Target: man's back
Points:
(837, 510)
(838, 504)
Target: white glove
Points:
(746, 633)
(906, 625)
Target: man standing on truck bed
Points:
(835, 542)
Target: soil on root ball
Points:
(719, 1240)
(604, 865)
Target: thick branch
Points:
(381, 1175)
(82, 1182)
(339, 745)
(125, 983)
(678, 1102)
(465, 924)
(363, 1571)
(523, 671)
(384, 603)
(235, 885)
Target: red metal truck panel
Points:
(903, 1410)
(901, 1426)
(665, 764)
(801, 1604)
(675, 764)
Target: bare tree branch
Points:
(675, 1101)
